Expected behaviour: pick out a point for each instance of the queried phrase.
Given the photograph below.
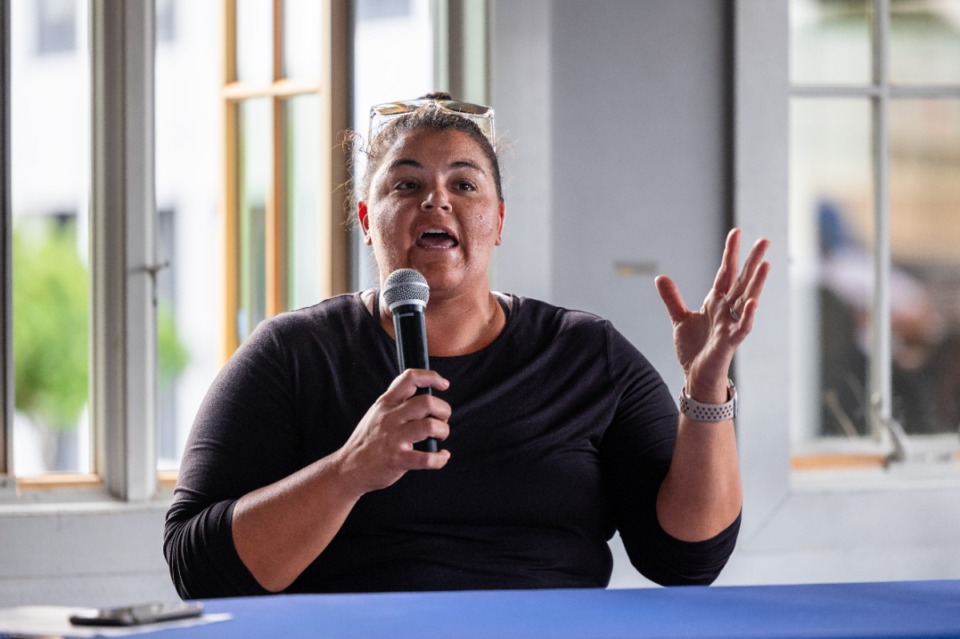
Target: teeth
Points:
(437, 238)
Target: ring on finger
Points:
(733, 312)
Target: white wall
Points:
(82, 554)
(615, 113)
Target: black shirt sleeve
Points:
(636, 451)
(240, 441)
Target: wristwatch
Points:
(700, 412)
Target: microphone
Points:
(406, 293)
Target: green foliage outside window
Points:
(51, 328)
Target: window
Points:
(50, 190)
(874, 229)
(189, 252)
(284, 239)
(122, 257)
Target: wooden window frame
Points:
(334, 94)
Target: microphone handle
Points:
(411, 330)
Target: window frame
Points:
(6, 294)
(881, 93)
(123, 385)
(122, 334)
(335, 109)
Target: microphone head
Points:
(405, 286)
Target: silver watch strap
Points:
(700, 412)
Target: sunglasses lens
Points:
(392, 109)
(466, 108)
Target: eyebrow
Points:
(458, 164)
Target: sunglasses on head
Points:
(482, 116)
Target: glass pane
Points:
(50, 173)
(925, 245)
(387, 25)
(830, 41)
(255, 149)
(56, 29)
(190, 289)
(255, 41)
(302, 26)
(925, 42)
(831, 233)
(303, 200)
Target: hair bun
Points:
(436, 95)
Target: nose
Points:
(436, 198)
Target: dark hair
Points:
(428, 117)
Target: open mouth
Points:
(436, 239)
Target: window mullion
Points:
(276, 237)
(275, 234)
(880, 380)
(6, 226)
(881, 372)
(123, 349)
(461, 52)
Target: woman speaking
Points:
(301, 472)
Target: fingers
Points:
(749, 284)
(727, 273)
(407, 383)
(380, 449)
(729, 287)
(671, 297)
(706, 339)
(419, 416)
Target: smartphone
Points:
(137, 615)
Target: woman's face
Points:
(432, 206)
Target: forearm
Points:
(701, 494)
(278, 530)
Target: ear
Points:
(500, 224)
(364, 222)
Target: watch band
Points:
(700, 412)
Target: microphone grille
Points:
(405, 285)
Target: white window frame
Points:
(892, 438)
(123, 257)
(808, 526)
(6, 295)
(123, 266)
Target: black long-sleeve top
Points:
(561, 433)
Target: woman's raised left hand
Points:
(706, 340)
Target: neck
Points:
(457, 326)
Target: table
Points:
(890, 609)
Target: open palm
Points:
(706, 339)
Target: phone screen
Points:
(137, 615)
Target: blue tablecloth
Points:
(900, 609)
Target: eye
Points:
(406, 185)
(466, 185)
